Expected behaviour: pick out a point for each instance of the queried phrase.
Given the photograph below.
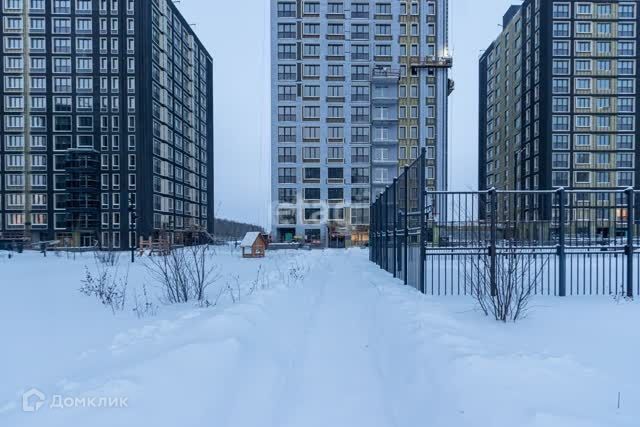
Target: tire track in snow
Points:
(263, 388)
(338, 383)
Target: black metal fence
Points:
(573, 242)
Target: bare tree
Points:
(506, 293)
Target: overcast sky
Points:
(236, 34)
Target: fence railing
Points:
(573, 242)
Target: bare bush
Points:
(297, 272)
(142, 304)
(234, 289)
(106, 285)
(507, 297)
(108, 257)
(201, 276)
(620, 296)
(184, 274)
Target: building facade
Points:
(558, 98)
(107, 115)
(358, 87)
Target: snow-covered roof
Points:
(249, 239)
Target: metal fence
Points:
(573, 242)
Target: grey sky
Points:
(240, 49)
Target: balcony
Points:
(359, 36)
(383, 118)
(360, 159)
(382, 181)
(384, 160)
(360, 118)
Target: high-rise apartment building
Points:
(358, 87)
(107, 110)
(558, 98)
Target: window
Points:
(561, 29)
(560, 179)
(560, 123)
(287, 31)
(560, 48)
(287, 175)
(583, 140)
(583, 121)
(625, 142)
(626, 48)
(560, 160)
(583, 177)
(287, 195)
(311, 8)
(624, 160)
(335, 8)
(383, 9)
(286, 10)
(287, 51)
(560, 104)
(560, 85)
(560, 66)
(61, 25)
(626, 10)
(625, 179)
(311, 29)
(83, 6)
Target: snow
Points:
(327, 339)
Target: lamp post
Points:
(133, 217)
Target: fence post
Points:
(372, 221)
(562, 255)
(405, 267)
(423, 227)
(493, 253)
(375, 231)
(372, 232)
(378, 231)
(630, 236)
(385, 230)
(394, 225)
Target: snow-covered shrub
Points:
(515, 282)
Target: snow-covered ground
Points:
(327, 339)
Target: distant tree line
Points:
(227, 229)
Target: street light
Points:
(133, 217)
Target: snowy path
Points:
(347, 346)
(324, 371)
